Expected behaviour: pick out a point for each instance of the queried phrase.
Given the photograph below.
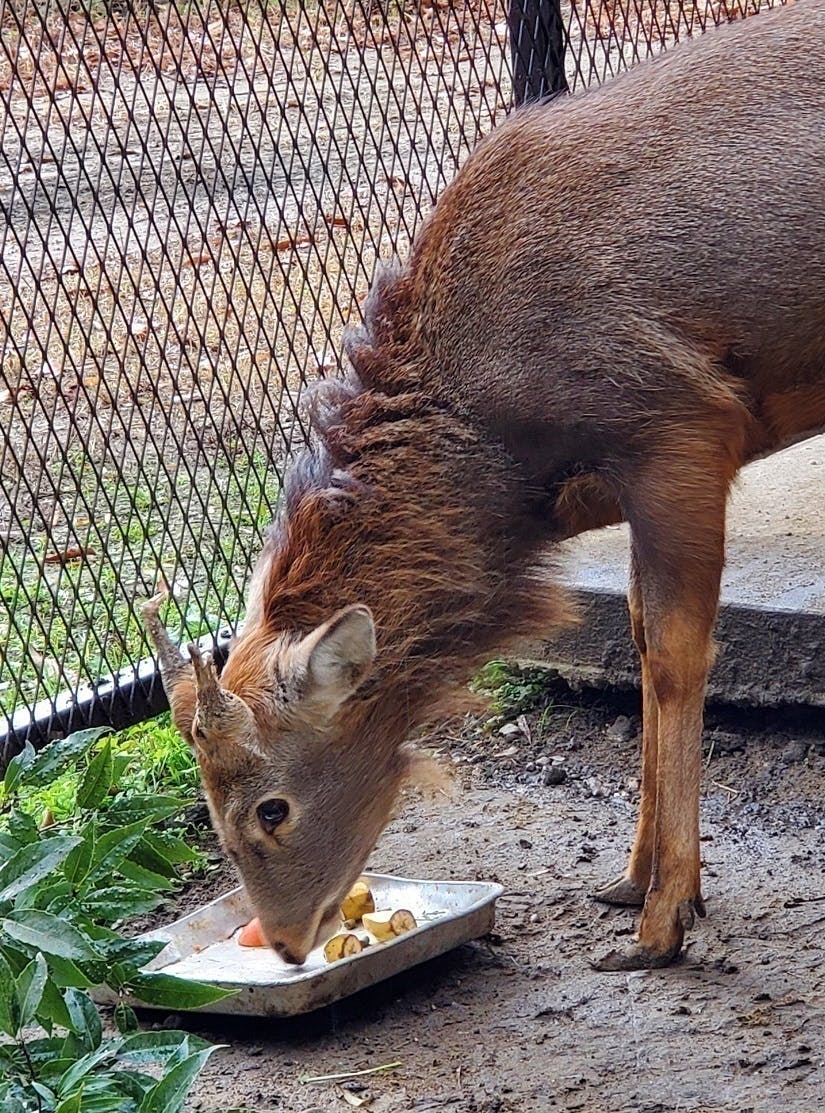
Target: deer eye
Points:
(272, 814)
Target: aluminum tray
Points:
(202, 947)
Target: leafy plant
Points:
(63, 890)
(166, 765)
(513, 688)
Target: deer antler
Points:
(173, 664)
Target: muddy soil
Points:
(519, 1020)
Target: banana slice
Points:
(342, 946)
(402, 920)
(387, 924)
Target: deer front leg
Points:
(679, 549)
(629, 888)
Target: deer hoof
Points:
(622, 891)
(635, 957)
(689, 910)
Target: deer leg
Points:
(629, 888)
(678, 527)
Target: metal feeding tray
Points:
(203, 946)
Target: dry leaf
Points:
(74, 552)
(292, 241)
(354, 1100)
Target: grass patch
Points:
(75, 621)
(514, 689)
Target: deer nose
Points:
(287, 954)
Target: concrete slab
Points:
(771, 631)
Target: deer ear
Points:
(332, 662)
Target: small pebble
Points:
(621, 730)
(594, 788)
(794, 752)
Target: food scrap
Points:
(342, 946)
(388, 924)
(357, 901)
(251, 935)
(357, 910)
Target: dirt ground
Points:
(519, 1020)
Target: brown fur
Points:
(618, 302)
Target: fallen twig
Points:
(306, 1078)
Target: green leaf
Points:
(95, 785)
(32, 863)
(56, 899)
(22, 826)
(53, 1007)
(71, 1104)
(85, 1064)
(9, 1012)
(148, 879)
(136, 951)
(67, 974)
(131, 809)
(148, 857)
(157, 1047)
(170, 1093)
(85, 1020)
(120, 763)
(11, 1062)
(17, 767)
(8, 846)
(44, 1050)
(175, 993)
(125, 1018)
(114, 1091)
(51, 934)
(79, 861)
(118, 1098)
(59, 756)
(11, 1104)
(171, 848)
(118, 902)
(46, 1094)
(113, 847)
(30, 986)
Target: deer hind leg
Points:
(629, 888)
(677, 516)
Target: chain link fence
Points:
(194, 195)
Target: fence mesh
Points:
(194, 195)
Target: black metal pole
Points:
(128, 697)
(537, 42)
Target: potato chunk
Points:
(358, 901)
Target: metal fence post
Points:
(537, 43)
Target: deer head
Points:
(298, 787)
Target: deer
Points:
(617, 302)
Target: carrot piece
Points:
(251, 935)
